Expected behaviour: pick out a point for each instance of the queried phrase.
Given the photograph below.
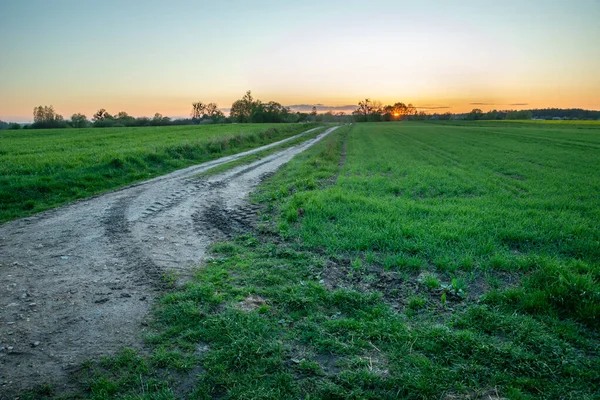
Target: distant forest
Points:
(251, 110)
(537, 113)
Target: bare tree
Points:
(198, 110)
(212, 109)
(365, 107)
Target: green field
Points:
(41, 169)
(395, 260)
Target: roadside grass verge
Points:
(42, 169)
(392, 261)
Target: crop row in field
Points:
(41, 169)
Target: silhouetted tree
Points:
(79, 121)
(213, 113)
(101, 115)
(46, 117)
(475, 114)
(160, 120)
(198, 110)
(364, 107)
(242, 110)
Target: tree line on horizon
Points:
(245, 110)
(373, 111)
(251, 110)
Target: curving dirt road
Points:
(78, 281)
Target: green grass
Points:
(42, 169)
(433, 261)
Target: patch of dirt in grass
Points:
(186, 382)
(78, 281)
(251, 303)
(299, 353)
(397, 288)
(328, 363)
(377, 363)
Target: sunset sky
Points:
(160, 56)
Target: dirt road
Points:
(78, 281)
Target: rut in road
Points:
(79, 280)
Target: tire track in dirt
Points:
(78, 281)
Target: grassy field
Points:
(42, 169)
(395, 260)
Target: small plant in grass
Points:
(445, 264)
(416, 303)
(499, 263)
(248, 240)
(414, 263)
(370, 257)
(226, 248)
(357, 264)
(467, 262)
(456, 287)
(430, 281)
(459, 285)
(44, 391)
(310, 368)
(170, 278)
(394, 261)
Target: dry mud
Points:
(78, 281)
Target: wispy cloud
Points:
(519, 104)
(432, 107)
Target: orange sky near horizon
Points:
(150, 56)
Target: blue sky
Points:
(157, 56)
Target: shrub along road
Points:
(79, 280)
